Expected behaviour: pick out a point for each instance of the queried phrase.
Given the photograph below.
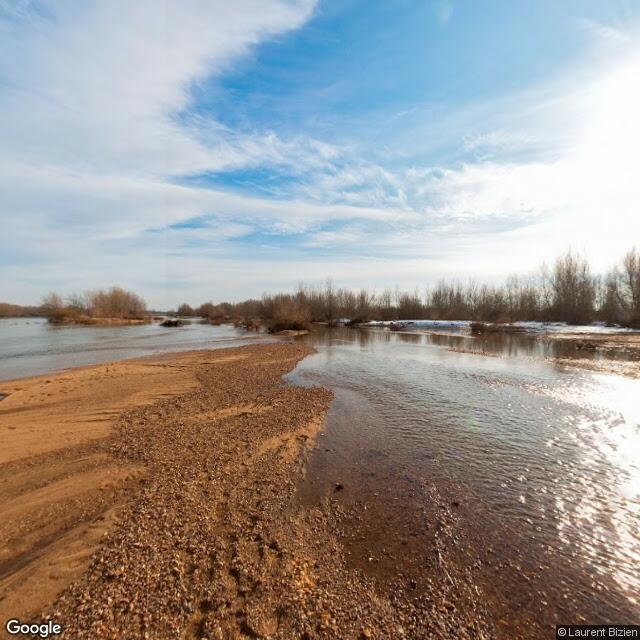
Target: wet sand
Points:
(159, 498)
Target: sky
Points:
(195, 150)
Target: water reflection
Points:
(516, 345)
(547, 457)
(545, 462)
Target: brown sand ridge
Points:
(157, 499)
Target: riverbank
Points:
(158, 498)
(616, 353)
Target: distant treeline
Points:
(18, 311)
(566, 292)
(101, 303)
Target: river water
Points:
(31, 346)
(540, 462)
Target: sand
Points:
(157, 499)
(60, 486)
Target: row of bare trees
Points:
(566, 292)
(18, 311)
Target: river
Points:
(538, 463)
(31, 346)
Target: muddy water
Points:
(540, 466)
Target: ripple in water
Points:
(548, 459)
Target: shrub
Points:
(285, 311)
(568, 292)
(110, 303)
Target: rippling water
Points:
(545, 460)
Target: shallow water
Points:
(31, 346)
(544, 461)
(541, 463)
(525, 345)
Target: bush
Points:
(285, 311)
(110, 303)
(115, 303)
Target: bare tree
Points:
(631, 287)
(573, 290)
(330, 301)
(566, 292)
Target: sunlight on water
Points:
(608, 436)
(547, 452)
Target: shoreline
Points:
(188, 495)
(614, 354)
(68, 471)
(167, 506)
(89, 321)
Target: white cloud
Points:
(96, 127)
(487, 144)
(580, 191)
(97, 83)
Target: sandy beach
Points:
(156, 498)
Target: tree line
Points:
(8, 310)
(568, 291)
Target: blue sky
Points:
(202, 150)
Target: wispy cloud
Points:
(108, 169)
(608, 33)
